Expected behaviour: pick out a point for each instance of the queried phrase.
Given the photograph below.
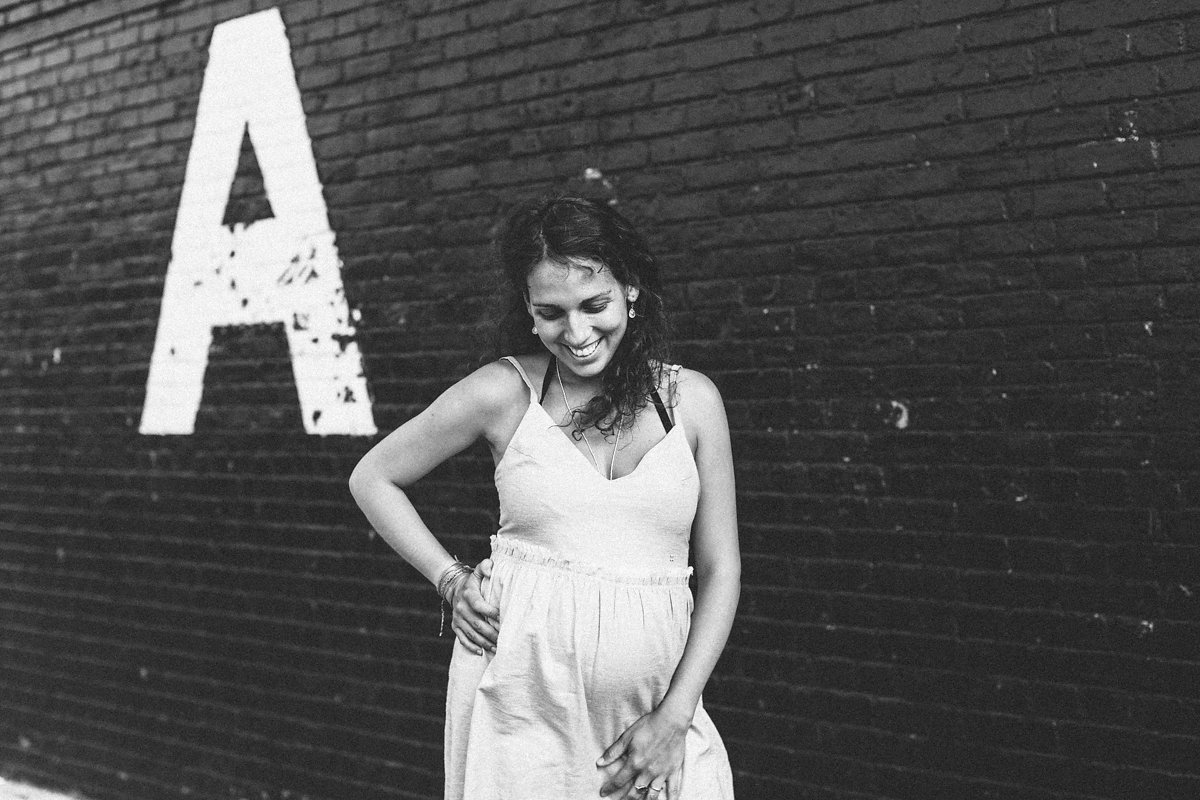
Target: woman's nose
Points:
(577, 329)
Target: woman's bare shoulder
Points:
(534, 364)
(698, 397)
(491, 391)
(695, 380)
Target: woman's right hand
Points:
(474, 620)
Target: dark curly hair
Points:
(569, 230)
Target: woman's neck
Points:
(589, 387)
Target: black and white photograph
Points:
(620, 399)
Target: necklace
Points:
(616, 441)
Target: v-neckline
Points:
(562, 435)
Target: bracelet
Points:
(448, 581)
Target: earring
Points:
(534, 331)
(632, 312)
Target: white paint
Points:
(901, 421)
(285, 269)
(13, 790)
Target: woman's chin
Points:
(590, 367)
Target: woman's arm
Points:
(472, 408)
(715, 551)
(653, 746)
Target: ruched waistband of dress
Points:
(540, 556)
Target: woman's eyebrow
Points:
(602, 296)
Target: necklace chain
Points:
(571, 411)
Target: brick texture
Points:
(940, 257)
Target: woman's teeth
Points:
(584, 352)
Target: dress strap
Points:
(672, 386)
(524, 377)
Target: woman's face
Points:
(581, 313)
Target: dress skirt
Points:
(584, 651)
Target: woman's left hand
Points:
(652, 749)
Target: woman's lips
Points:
(584, 352)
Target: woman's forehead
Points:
(551, 279)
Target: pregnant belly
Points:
(575, 639)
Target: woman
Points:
(580, 659)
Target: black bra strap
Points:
(662, 411)
(551, 371)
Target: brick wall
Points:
(940, 256)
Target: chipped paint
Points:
(283, 269)
(1127, 133)
(1127, 129)
(593, 175)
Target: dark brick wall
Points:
(939, 255)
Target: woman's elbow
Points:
(360, 477)
(728, 572)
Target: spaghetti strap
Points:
(672, 386)
(524, 377)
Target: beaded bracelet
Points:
(450, 578)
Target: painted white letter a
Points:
(284, 269)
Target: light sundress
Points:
(591, 579)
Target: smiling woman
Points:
(574, 321)
(591, 685)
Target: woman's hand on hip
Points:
(650, 756)
(474, 620)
